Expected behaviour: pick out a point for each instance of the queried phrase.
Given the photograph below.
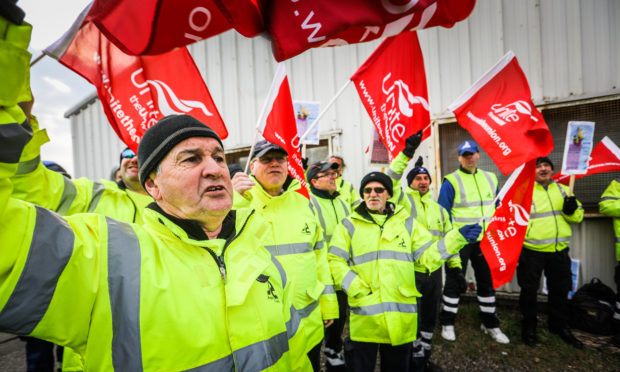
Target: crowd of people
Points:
(175, 265)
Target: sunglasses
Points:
(378, 190)
(269, 158)
(128, 154)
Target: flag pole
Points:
(247, 164)
(571, 185)
(316, 121)
(34, 61)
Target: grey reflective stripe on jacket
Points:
(393, 174)
(543, 214)
(548, 241)
(348, 279)
(337, 251)
(50, 251)
(224, 364)
(381, 255)
(12, 141)
(418, 252)
(28, 166)
(281, 270)
(68, 196)
(124, 268)
(609, 198)
(384, 307)
(284, 249)
(414, 210)
(467, 219)
(329, 289)
(261, 355)
(464, 203)
(98, 190)
(297, 315)
(349, 226)
(314, 201)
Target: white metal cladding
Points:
(568, 49)
(96, 147)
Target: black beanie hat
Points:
(544, 159)
(414, 172)
(159, 139)
(379, 177)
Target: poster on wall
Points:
(578, 146)
(379, 154)
(305, 114)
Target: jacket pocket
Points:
(408, 291)
(316, 291)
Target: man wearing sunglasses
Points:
(331, 209)
(417, 200)
(372, 255)
(297, 242)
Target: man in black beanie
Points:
(370, 255)
(194, 270)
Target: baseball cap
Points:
(263, 147)
(468, 146)
(318, 167)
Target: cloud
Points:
(57, 84)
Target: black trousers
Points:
(484, 287)
(333, 333)
(40, 355)
(617, 313)
(362, 356)
(429, 286)
(556, 266)
(315, 357)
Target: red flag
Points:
(503, 238)
(297, 26)
(605, 157)
(244, 15)
(156, 26)
(136, 91)
(279, 127)
(392, 87)
(498, 112)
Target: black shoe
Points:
(568, 337)
(528, 335)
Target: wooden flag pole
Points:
(571, 185)
(318, 118)
(247, 164)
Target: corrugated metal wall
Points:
(569, 49)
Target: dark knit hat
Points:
(414, 172)
(379, 177)
(418, 169)
(544, 159)
(159, 139)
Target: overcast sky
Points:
(56, 89)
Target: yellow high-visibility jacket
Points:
(347, 192)
(373, 263)
(296, 240)
(610, 206)
(549, 229)
(34, 183)
(137, 297)
(425, 210)
(330, 210)
(473, 197)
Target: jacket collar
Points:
(193, 229)
(466, 171)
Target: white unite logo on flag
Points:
(510, 113)
(521, 217)
(399, 102)
(167, 101)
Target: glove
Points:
(412, 143)
(419, 162)
(457, 275)
(304, 163)
(570, 205)
(471, 232)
